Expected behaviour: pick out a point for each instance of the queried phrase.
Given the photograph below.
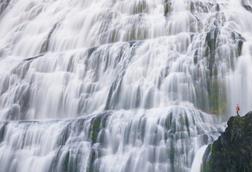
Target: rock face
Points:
(247, 4)
(232, 152)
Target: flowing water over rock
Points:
(119, 85)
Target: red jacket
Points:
(237, 108)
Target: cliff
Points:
(232, 152)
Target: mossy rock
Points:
(232, 152)
(217, 97)
(97, 124)
(167, 8)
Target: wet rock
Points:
(247, 4)
(232, 152)
(211, 42)
(239, 39)
(140, 7)
(201, 6)
(167, 7)
(3, 5)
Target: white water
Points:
(87, 83)
(198, 160)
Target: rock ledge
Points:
(232, 152)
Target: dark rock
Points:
(167, 7)
(3, 5)
(247, 4)
(45, 45)
(211, 42)
(140, 7)
(232, 152)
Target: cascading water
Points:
(119, 85)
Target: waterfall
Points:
(153, 140)
(197, 162)
(239, 81)
(119, 85)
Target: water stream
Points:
(119, 85)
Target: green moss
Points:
(97, 124)
(95, 128)
(70, 162)
(232, 151)
(141, 7)
(217, 97)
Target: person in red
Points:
(237, 109)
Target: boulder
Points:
(232, 152)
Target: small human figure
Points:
(237, 109)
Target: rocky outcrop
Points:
(247, 5)
(3, 5)
(232, 152)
